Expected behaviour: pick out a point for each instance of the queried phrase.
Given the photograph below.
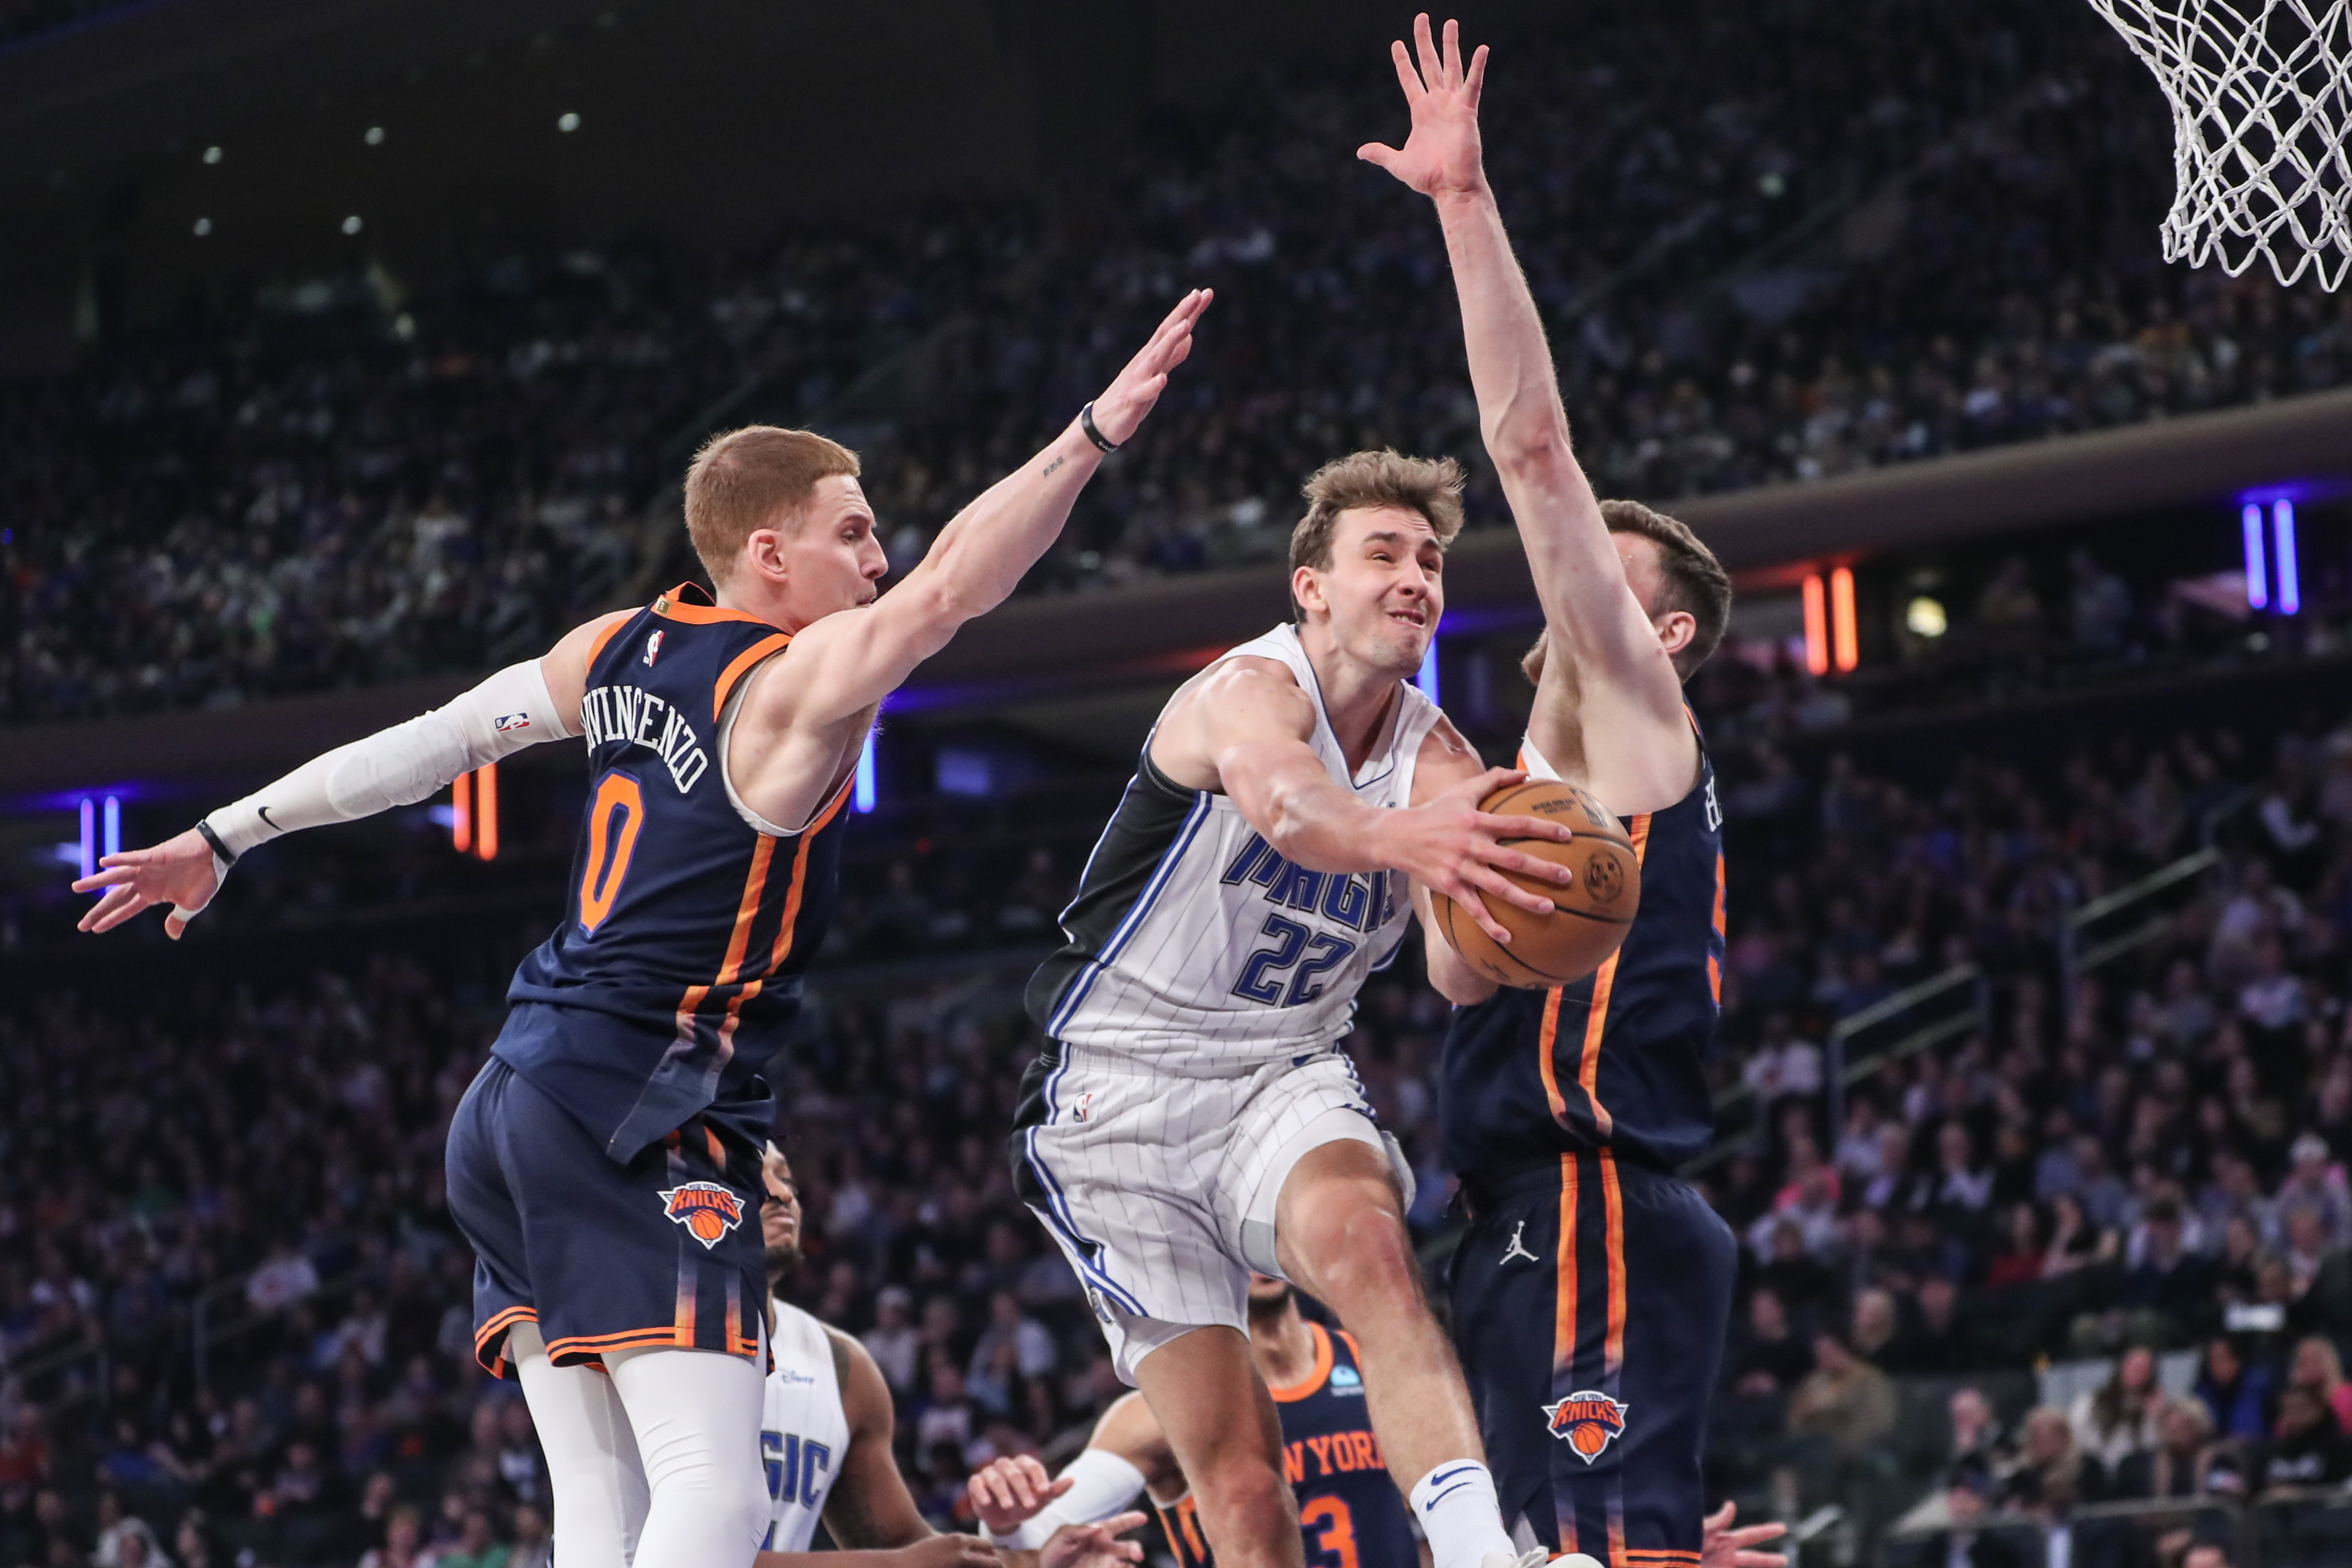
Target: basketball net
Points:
(2262, 100)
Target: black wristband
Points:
(213, 838)
(1086, 424)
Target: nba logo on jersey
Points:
(652, 649)
(1588, 1421)
(708, 1210)
(507, 722)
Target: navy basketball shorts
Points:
(663, 1252)
(1590, 1300)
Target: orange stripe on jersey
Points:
(1596, 1022)
(1612, 1211)
(1547, 1040)
(500, 1323)
(718, 1150)
(1292, 1393)
(674, 606)
(741, 665)
(755, 886)
(1563, 1325)
(596, 646)
(1715, 963)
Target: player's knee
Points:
(1243, 1490)
(1355, 1246)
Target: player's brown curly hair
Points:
(1430, 486)
(1694, 580)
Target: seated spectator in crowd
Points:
(2076, 1241)
(1875, 1325)
(2024, 1252)
(403, 1539)
(2319, 1367)
(2168, 1295)
(1844, 1401)
(1782, 1066)
(1767, 1358)
(2118, 1418)
(1939, 1341)
(1966, 1544)
(2174, 1466)
(2052, 1474)
(2306, 1450)
(895, 1344)
(1976, 1431)
(2236, 1393)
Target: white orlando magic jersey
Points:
(804, 1430)
(1192, 941)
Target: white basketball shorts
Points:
(1162, 1189)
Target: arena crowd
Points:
(1894, 230)
(232, 1309)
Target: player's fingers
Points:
(1515, 827)
(1425, 50)
(1757, 1535)
(174, 924)
(1509, 892)
(112, 876)
(1519, 864)
(1055, 1488)
(1120, 1524)
(1379, 155)
(1407, 78)
(1759, 1560)
(1464, 895)
(1496, 778)
(1722, 1517)
(1452, 53)
(114, 909)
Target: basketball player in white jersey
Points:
(1193, 1117)
(824, 1446)
(624, 1296)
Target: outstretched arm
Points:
(1126, 1455)
(1622, 683)
(845, 663)
(521, 706)
(1242, 729)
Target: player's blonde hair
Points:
(1429, 486)
(756, 477)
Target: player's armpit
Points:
(869, 1507)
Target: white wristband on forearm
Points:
(400, 766)
(1103, 1484)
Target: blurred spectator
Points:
(2306, 1450)
(2174, 1466)
(1844, 1401)
(2119, 1418)
(2236, 1394)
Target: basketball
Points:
(1590, 916)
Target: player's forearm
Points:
(1511, 372)
(1313, 822)
(399, 766)
(981, 555)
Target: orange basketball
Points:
(1588, 917)
(707, 1224)
(1588, 1439)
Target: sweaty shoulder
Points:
(1232, 701)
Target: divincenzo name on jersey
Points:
(631, 715)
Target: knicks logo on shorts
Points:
(708, 1210)
(1587, 1421)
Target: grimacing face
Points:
(1384, 589)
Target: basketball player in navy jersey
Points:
(1592, 1289)
(1349, 1514)
(605, 1164)
(825, 1447)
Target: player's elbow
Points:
(1529, 440)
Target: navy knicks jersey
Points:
(1349, 1510)
(1614, 1061)
(676, 972)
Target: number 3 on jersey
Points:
(1331, 1528)
(613, 821)
(1261, 978)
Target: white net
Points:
(2262, 100)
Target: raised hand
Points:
(1442, 156)
(1120, 411)
(178, 871)
(1093, 1545)
(1007, 1493)
(1723, 1547)
(1450, 846)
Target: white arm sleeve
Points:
(1104, 1485)
(400, 766)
